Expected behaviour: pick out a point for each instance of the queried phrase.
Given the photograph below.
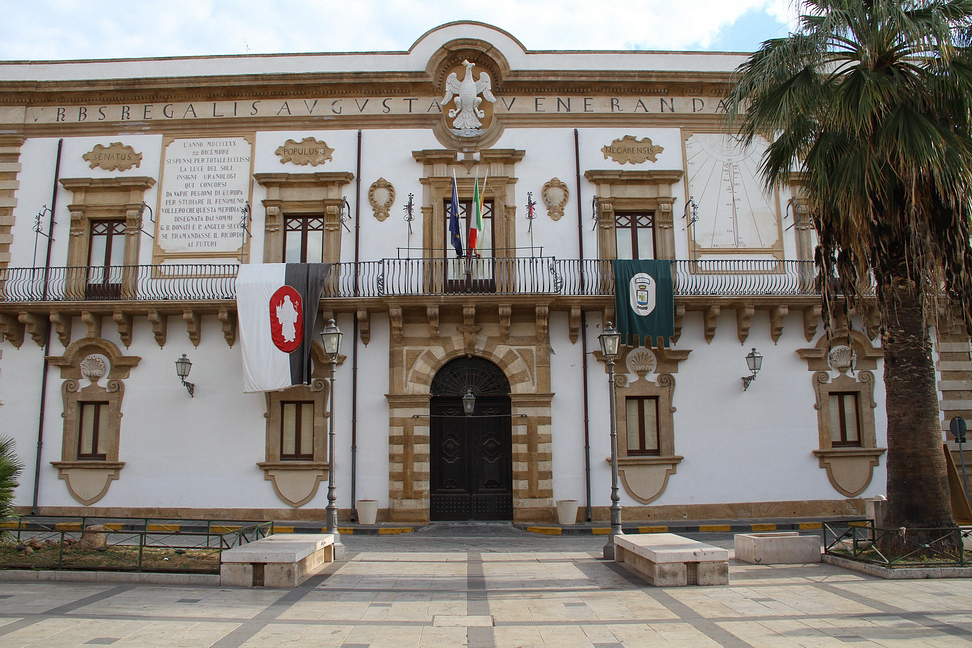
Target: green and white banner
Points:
(644, 301)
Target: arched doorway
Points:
(471, 460)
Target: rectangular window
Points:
(92, 430)
(106, 255)
(635, 232)
(304, 239)
(297, 430)
(642, 422)
(476, 271)
(844, 419)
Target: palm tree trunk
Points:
(918, 492)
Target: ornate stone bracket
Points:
(573, 323)
(193, 325)
(124, 322)
(432, 312)
(364, 325)
(227, 318)
(160, 324)
(710, 322)
(646, 478)
(850, 469)
(777, 318)
(744, 320)
(295, 482)
(36, 326)
(88, 481)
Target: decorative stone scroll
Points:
(114, 157)
(555, 195)
(307, 151)
(628, 149)
(381, 195)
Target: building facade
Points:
(131, 190)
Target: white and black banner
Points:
(277, 306)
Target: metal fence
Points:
(113, 544)
(403, 277)
(863, 542)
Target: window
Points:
(484, 245)
(106, 253)
(93, 430)
(844, 419)
(304, 239)
(635, 232)
(642, 423)
(297, 430)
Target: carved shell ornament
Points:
(94, 367)
(842, 358)
(641, 361)
(466, 114)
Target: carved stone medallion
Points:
(628, 149)
(555, 195)
(381, 195)
(307, 151)
(467, 115)
(114, 157)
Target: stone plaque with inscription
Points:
(628, 149)
(115, 156)
(205, 184)
(307, 151)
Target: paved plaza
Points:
(493, 585)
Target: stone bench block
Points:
(777, 548)
(670, 560)
(280, 560)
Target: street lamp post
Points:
(331, 338)
(610, 340)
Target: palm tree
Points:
(10, 467)
(870, 103)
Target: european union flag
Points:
(455, 237)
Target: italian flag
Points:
(277, 306)
(476, 226)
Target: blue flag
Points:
(454, 231)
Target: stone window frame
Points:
(105, 199)
(303, 194)
(635, 191)
(849, 467)
(645, 476)
(296, 481)
(88, 479)
(439, 169)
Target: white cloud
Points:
(52, 29)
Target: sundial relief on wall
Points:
(734, 212)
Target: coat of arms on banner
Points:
(642, 288)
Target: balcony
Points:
(406, 277)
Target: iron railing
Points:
(113, 544)
(861, 541)
(402, 277)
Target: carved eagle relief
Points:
(466, 114)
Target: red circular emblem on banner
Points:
(286, 319)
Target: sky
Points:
(75, 29)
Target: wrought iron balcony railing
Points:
(403, 277)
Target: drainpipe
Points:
(580, 248)
(354, 335)
(47, 343)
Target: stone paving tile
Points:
(557, 598)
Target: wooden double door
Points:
(471, 459)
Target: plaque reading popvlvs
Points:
(205, 184)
